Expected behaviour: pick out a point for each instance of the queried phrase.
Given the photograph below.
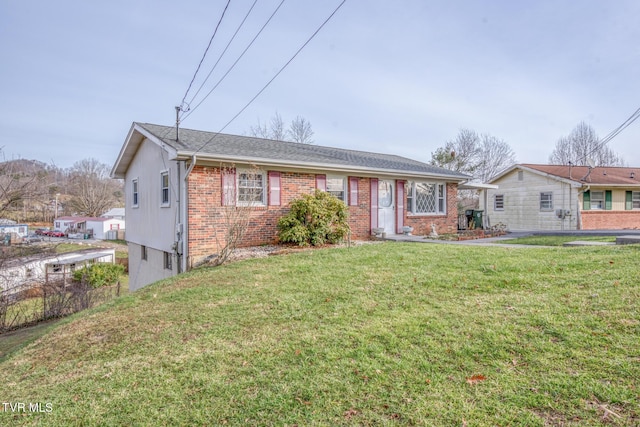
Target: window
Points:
(636, 199)
(164, 186)
(143, 252)
(168, 261)
(134, 193)
(337, 186)
(251, 188)
(546, 201)
(597, 199)
(498, 202)
(426, 198)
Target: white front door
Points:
(386, 206)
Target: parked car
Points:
(41, 231)
(55, 234)
(32, 238)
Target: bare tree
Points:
(274, 130)
(481, 156)
(18, 183)
(581, 145)
(237, 209)
(300, 130)
(495, 155)
(92, 190)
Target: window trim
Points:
(343, 178)
(263, 175)
(635, 198)
(440, 198)
(165, 203)
(549, 201)
(135, 193)
(168, 261)
(495, 202)
(602, 200)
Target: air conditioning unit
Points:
(560, 213)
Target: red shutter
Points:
(353, 191)
(374, 203)
(274, 188)
(321, 182)
(228, 176)
(399, 205)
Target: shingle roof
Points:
(600, 175)
(257, 149)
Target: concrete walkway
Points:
(495, 241)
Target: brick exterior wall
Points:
(207, 218)
(610, 220)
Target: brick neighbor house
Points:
(565, 197)
(178, 191)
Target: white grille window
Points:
(498, 202)
(636, 199)
(251, 188)
(546, 201)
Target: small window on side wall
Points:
(134, 193)
(546, 201)
(168, 261)
(143, 252)
(164, 186)
(498, 202)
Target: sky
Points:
(397, 77)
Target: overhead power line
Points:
(205, 52)
(273, 78)
(223, 52)
(185, 115)
(611, 135)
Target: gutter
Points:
(326, 167)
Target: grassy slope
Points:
(378, 334)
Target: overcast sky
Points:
(399, 77)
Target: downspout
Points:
(185, 206)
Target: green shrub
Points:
(101, 274)
(314, 219)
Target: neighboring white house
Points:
(564, 197)
(115, 213)
(8, 226)
(21, 273)
(98, 226)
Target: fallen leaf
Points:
(474, 379)
(350, 413)
(303, 402)
(298, 352)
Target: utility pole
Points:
(177, 122)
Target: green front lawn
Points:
(381, 334)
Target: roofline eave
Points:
(204, 157)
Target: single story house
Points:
(24, 273)
(8, 226)
(97, 227)
(115, 213)
(181, 187)
(565, 197)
